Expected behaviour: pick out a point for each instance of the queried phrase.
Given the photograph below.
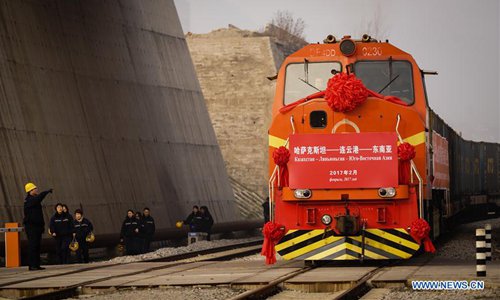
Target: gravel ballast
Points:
(442, 295)
(164, 252)
(193, 293)
(462, 245)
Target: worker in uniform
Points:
(83, 227)
(194, 220)
(207, 221)
(66, 211)
(140, 237)
(149, 228)
(34, 223)
(61, 228)
(129, 233)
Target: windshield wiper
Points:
(309, 84)
(387, 85)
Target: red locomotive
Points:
(359, 164)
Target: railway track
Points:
(279, 286)
(221, 253)
(274, 287)
(361, 287)
(332, 280)
(367, 283)
(246, 248)
(270, 288)
(354, 292)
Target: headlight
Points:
(326, 219)
(386, 192)
(302, 193)
(347, 47)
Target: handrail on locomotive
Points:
(413, 170)
(276, 173)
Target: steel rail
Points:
(364, 285)
(269, 288)
(361, 287)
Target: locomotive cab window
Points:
(389, 78)
(317, 119)
(304, 79)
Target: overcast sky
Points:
(458, 38)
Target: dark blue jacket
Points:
(206, 222)
(129, 226)
(83, 228)
(61, 224)
(194, 220)
(149, 226)
(33, 213)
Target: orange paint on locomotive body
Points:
(374, 115)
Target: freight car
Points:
(474, 189)
(360, 166)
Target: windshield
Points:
(304, 79)
(390, 78)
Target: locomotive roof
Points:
(370, 50)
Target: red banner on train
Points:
(440, 162)
(338, 161)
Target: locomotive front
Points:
(347, 153)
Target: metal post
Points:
(480, 252)
(487, 229)
(12, 244)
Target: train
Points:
(360, 166)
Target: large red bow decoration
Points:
(419, 231)
(406, 153)
(281, 157)
(273, 233)
(345, 92)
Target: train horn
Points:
(366, 38)
(330, 39)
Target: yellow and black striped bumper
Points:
(393, 243)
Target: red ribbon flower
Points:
(281, 157)
(345, 92)
(273, 233)
(406, 153)
(419, 231)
